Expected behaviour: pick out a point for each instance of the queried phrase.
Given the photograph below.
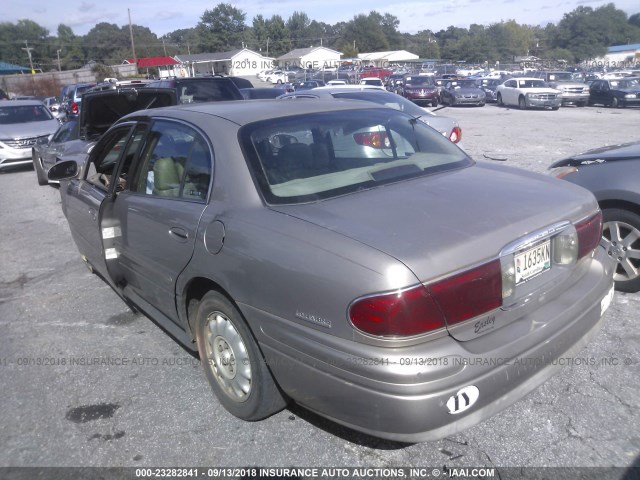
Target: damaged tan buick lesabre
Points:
(341, 255)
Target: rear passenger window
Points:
(176, 162)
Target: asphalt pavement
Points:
(86, 382)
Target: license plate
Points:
(532, 262)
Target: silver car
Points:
(407, 292)
(23, 123)
(447, 126)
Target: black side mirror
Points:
(63, 171)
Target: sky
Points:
(165, 16)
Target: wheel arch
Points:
(192, 295)
(620, 204)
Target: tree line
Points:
(581, 34)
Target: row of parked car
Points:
(544, 89)
(214, 219)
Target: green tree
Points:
(222, 28)
(181, 41)
(367, 33)
(70, 51)
(107, 43)
(587, 32)
(278, 36)
(423, 44)
(297, 25)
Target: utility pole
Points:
(58, 53)
(267, 46)
(164, 46)
(28, 50)
(133, 47)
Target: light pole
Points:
(28, 49)
(58, 53)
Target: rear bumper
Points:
(402, 393)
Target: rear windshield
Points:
(207, 91)
(318, 156)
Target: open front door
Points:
(149, 227)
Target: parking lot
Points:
(86, 382)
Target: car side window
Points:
(106, 155)
(176, 162)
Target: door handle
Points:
(179, 232)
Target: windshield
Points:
(561, 77)
(531, 84)
(24, 114)
(464, 84)
(319, 156)
(488, 82)
(422, 80)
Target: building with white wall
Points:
(314, 57)
(242, 62)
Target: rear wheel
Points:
(621, 237)
(232, 361)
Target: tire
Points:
(582, 104)
(522, 103)
(555, 108)
(615, 103)
(40, 174)
(232, 361)
(621, 238)
(499, 100)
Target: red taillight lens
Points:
(424, 309)
(456, 135)
(74, 108)
(470, 293)
(406, 313)
(372, 139)
(589, 234)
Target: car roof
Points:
(359, 87)
(245, 112)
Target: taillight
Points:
(403, 313)
(589, 234)
(74, 108)
(372, 139)
(469, 293)
(423, 309)
(456, 135)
